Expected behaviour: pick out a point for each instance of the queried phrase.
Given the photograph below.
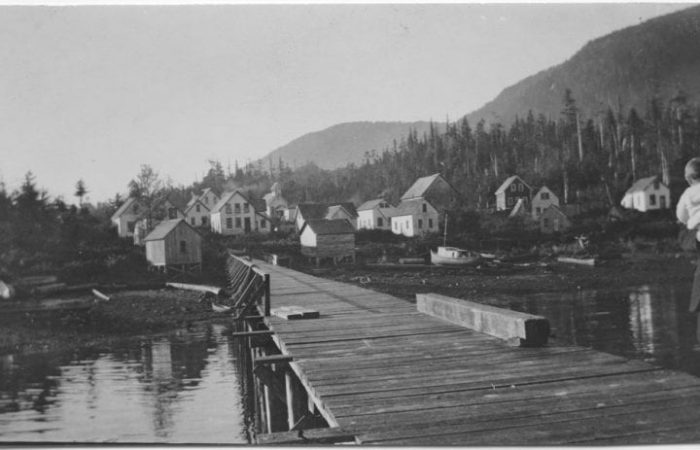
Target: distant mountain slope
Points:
(344, 143)
(624, 68)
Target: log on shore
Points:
(195, 287)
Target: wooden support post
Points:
(266, 296)
(268, 408)
(289, 390)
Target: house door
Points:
(662, 201)
(246, 224)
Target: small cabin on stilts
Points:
(321, 239)
(175, 246)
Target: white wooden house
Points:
(508, 193)
(173, 244)
(321, 238)
(197, 214)
(414, 217)
(542, 199)
(236, 214)
(374, 215)
(647, 194)
(125, 217)
(345, 211)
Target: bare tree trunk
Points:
(633, 157)
(578, 137)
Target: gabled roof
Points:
(408, 207)
(193, 203)
(555, 209)
(420, 186)
(226, 197)
(164, 228)
(642, 184)
(347, 206)
(323, 226)
(160, 203)
(371, 204)
(310, 211)
(126, 205)
(547, 188)
(508, 182)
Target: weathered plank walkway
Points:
(379, 369)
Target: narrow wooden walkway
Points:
(394, 376)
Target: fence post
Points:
(266, 295)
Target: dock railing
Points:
(248, 284)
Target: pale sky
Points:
(93, 92)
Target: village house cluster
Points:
(327, 230)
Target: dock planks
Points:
(389, 375)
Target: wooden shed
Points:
(321, 238)
(174, 245)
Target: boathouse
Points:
(321, 238)
(173, 244)
(647, 194)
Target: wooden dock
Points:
(380, 370)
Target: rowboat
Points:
(453, 256)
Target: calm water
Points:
(183, 388)
(188, 388)
(644, 322)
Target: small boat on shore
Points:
(453, 256)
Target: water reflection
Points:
(183, 388)
(646, 322)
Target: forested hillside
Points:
(623, 70)
(342, 144)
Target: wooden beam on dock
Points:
(258, 333)
(512, 326)
(314, 436)
(272, 359)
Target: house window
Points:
(430, 223)
(237, 208)
(380, 222)
(228, 209)
(130, 226)
(545, 222)
(656, 185)
(420, 224)
(229, 223)
(520, 188)
(538, 210)
(172, 213)
(238, 222)
(192, 220)
(263, 223)
(544, 196)
(197, 208)
(425, 207)
(509, 201)
(204, 220)
(183, 246)
(246, 207)
(652, 200)
(513, 188)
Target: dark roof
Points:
(164, 228)
(508, 182)
(323, 226)
(310, 211)
(349, 207)
(371, 204)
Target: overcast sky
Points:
(93, 92)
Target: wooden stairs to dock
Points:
(390, 375)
